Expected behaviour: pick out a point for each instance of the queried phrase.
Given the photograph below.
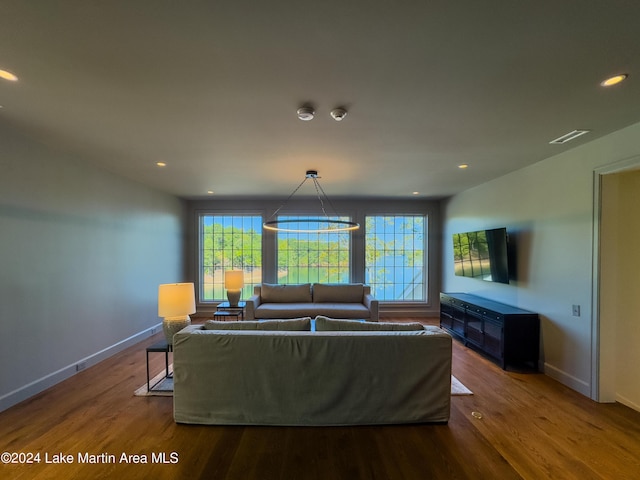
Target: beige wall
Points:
(548, 209)
(82, 254)
(620, 287)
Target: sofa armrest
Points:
(372, 304)
(251, 305)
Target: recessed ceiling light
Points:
(567, 137)
(462, 166)
(616, 79)
(161, 164)
(8, 76)
(210, 192)
(415, 193)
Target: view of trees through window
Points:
(313, 257)
(395, 247)
(395, 257)
(229, 242)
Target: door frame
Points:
(597, 393)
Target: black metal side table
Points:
(224, 311)
(224, 316)
(160, 347)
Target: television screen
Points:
(482, 254)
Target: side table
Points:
(224, 310)
(160, 347)
(224, 316)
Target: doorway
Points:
(617, 285)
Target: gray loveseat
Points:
(348, 300)
(262, 375)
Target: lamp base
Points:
(172, 325)
(234, 297)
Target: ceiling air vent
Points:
(567, 137)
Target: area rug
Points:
(457, 388)
(163, 387)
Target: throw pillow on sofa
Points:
(302, 324)
(331, 324)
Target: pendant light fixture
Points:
(313, 225)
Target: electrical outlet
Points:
(81, 366)
(576, 310)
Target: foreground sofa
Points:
(348, 300)
(337, 376)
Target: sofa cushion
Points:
(331, 324)
(338, 293)
(272, 293)
(341, 310)
(293, 310)
(290, 325)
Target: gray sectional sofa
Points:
(279, 372)
(349, 300)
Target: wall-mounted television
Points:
(482, 254)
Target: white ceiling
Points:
(212, 87)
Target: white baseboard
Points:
(26, 391)
(627, 402)
(569, 380)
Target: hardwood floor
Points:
(532, 427)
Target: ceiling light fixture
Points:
(306, 113)
(161, 164)
(313, 225)
(567, 137)
(462, 166)
(615, 80)
(338, 114)
(8, 76)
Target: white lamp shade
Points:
(234, 279)
(176, 299)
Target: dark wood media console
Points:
(507, 334)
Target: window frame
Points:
(248, 288)
(354, 209)
(425, 257)
(345, 234)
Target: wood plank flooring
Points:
(532, 427)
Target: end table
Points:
(224, 310)
(160, 347)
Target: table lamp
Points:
(175, 302)
(233, 282)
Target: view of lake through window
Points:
(395, 249)
(313, 257)
(229, 242)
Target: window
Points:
(395, 257)
(229, 242)
(313, 257)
